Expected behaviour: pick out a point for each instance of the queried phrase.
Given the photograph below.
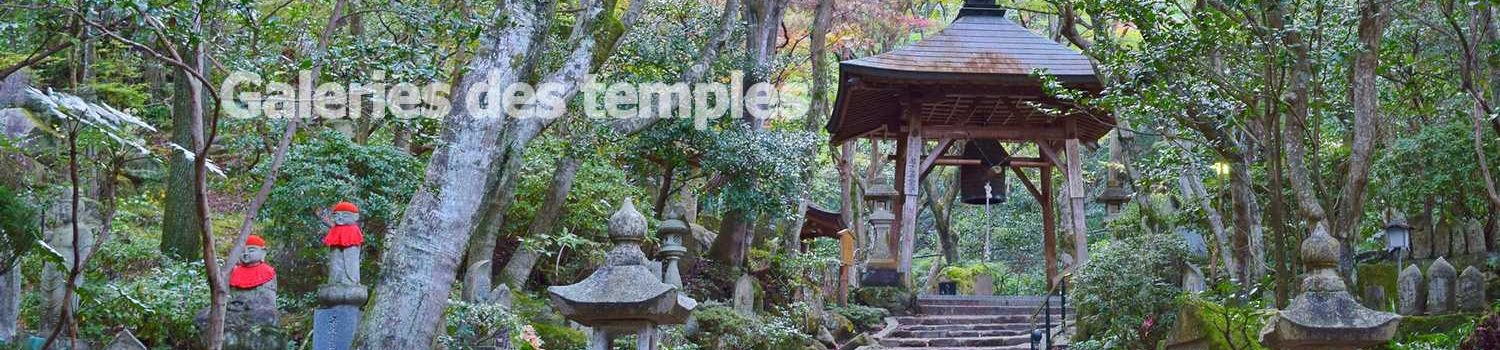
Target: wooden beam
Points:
(1049, 226)
(1075, 199)
(909, 188)
(1048, 153)
(1009, 133)
(1035, 193)
(931, 160)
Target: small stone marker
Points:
(1440, 240)
(1458, 244)
(1475, 237)
(1440, 278)
(1409, 296)
(984, 284)
(744, 294)
(1470, 292)
(125, 341)
(333, 327)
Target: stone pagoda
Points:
(625, 296)
(1325, 316)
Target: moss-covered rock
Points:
(897, 300)
(1381, 275)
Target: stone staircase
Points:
(968, 322)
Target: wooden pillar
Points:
(1075, 201)
(907, 178)
(1049, 224)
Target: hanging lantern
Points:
(972, 179)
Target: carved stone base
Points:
(342, 294)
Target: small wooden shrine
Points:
(977, 81)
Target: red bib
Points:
(344, 236)
(251, 276)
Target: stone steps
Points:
(968, 323)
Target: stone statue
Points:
(344, 241)
(1324, 315)
(251, 319)
(58, 231)
(335, 323)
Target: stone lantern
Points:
(1325, 316)
(882, 259)
(672, 230)
(624, 296)
(1397, 236)
(1114, 196)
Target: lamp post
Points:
(1397, 236)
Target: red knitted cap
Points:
(346, 206)
(255, 241)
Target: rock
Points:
(984, 284)
(744, 294)
(125, 341)
(702, 239)
(1410, 299)
(1475, 237)
(1440, 240)
(10, 303)
(1457, 239)
(826, 337)
(1421, 242)
(1470, 291)
(1440, 280)
(1374, 297)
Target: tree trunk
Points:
(1365, 98)
(423, 253)
(1249, 235)
(521, 262)
(1192, 189)
(499, 196)
(179, 224)
(941, 204)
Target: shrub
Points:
(716, 326)
(863, 318)
(158, 307)
(1127, 292)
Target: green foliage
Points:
(158, 306)
(321, 171)
(1433, 332)
(1127, 291)
(1228, 324)
(862, 318)
(720, 327)
(19, 229)
(551, 328)
(474, 325)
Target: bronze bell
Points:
(972, 178)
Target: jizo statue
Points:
(343, 241)
(251, 320)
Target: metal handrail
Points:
(1061, 289)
